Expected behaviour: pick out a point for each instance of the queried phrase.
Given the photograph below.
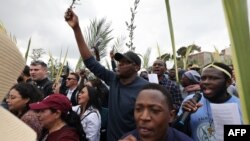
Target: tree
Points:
(37, 54)
(184, 52)
(131, 27)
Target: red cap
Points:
(54, 101)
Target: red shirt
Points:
(66, 133)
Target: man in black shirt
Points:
(39, 76)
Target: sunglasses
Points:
(71, 79)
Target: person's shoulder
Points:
(141, 80)
(174, 134)
(76, 108)
(67, 133)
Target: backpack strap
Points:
(92, 111)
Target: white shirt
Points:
(70, 92)
(91, 122)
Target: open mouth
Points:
(144, 131)
(207, 91)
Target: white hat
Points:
(11, 66)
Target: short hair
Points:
(76, 75)
(163, 90)
(223, 66)
(38, 62)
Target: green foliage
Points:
(131, 27)
(118, 44)
(37, 54)
(171, 29)
(27, 51)
(184, 52)
(146, 58)
(236, 13)
(98, 36)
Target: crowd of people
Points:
(74, 108)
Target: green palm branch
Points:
(146, 58)
(107, 64)
(61, 68)
(27, 51)
(52, 66)
(79, 64)
(98, 35)
(171, 29)
(118, 44)
(236, 13)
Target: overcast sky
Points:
(195, 21)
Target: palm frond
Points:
(27, 51)
(158, 49)
(79, 64)
(118, 44)
(61, 68)
(146, 58)
(171, 29)
(107, 64)
(98, 35)
(236, 13)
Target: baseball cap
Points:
(54, 101)
(130, 56)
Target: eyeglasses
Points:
(71, 79)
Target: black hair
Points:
(76, 75)
(103, 90)
(225, 67)
(163, 90)
(27, 90)
(26, 70)
(73, 120)
(94, 99)
(38, 62)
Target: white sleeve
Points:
(92, 125)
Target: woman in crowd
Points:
(18, 100)
(59, 121)
(89, 111)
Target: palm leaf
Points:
(171, 29)
(27, 51)
(98, 35)
(118, 44)
(236, 14)
(107, 64)
(216, 55)
(79, 64)
(146, 58)
(185, 59)
(61, 68)
(158, 50)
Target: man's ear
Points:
(228, 82)
(137, 68)
(172, 114)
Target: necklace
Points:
(210, 120)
